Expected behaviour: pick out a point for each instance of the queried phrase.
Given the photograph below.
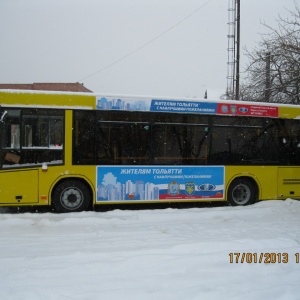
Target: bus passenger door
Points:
(19, 186)
(28, 138)
(288, 182)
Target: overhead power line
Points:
(147, 43)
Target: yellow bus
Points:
(75, 151)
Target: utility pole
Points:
(238, 30)
(233, 69)
(268, 77)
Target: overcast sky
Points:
(125, 46)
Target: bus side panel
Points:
(289, 182)
(265, 178)
(19, 187)
(53, 175)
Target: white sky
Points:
(68, 40)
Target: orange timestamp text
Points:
(261, 258)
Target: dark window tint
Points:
(129, 138)
(31, 136)
(84, 137)
(123, 143)
(180, 144)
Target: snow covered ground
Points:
(153, 254)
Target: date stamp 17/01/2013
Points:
(262, 258)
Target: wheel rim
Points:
(241, 194)
(71, 198)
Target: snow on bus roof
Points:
(152, 97)
(47, 106)
(76, 103)
(108, 101)
(12, 91)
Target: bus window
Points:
(271, 141)
(238, 146)
(123, 138)
(84, 137)
(42, 131)
(237, 141)
(10, 137)
(123, 143)
(289, 142)
(56, 131)
(11, 130)
(32, 137)
(180, 144)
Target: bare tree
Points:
(273, 72)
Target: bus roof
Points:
(72, 100)
(53, 99)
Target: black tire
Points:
(241, 192)
(71, 196)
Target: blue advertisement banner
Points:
(153, 183)
(156, 105)
(184, 106)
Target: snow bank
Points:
(152, 254)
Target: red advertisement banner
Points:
(247, 110)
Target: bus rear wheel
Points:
(242, 191)
(71, 196)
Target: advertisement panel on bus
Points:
(149, 183)
(185, 106)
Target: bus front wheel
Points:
(71, 196)
(242, 191)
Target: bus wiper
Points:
(3, 116)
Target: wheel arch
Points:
(250, 177)
(82, 179)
